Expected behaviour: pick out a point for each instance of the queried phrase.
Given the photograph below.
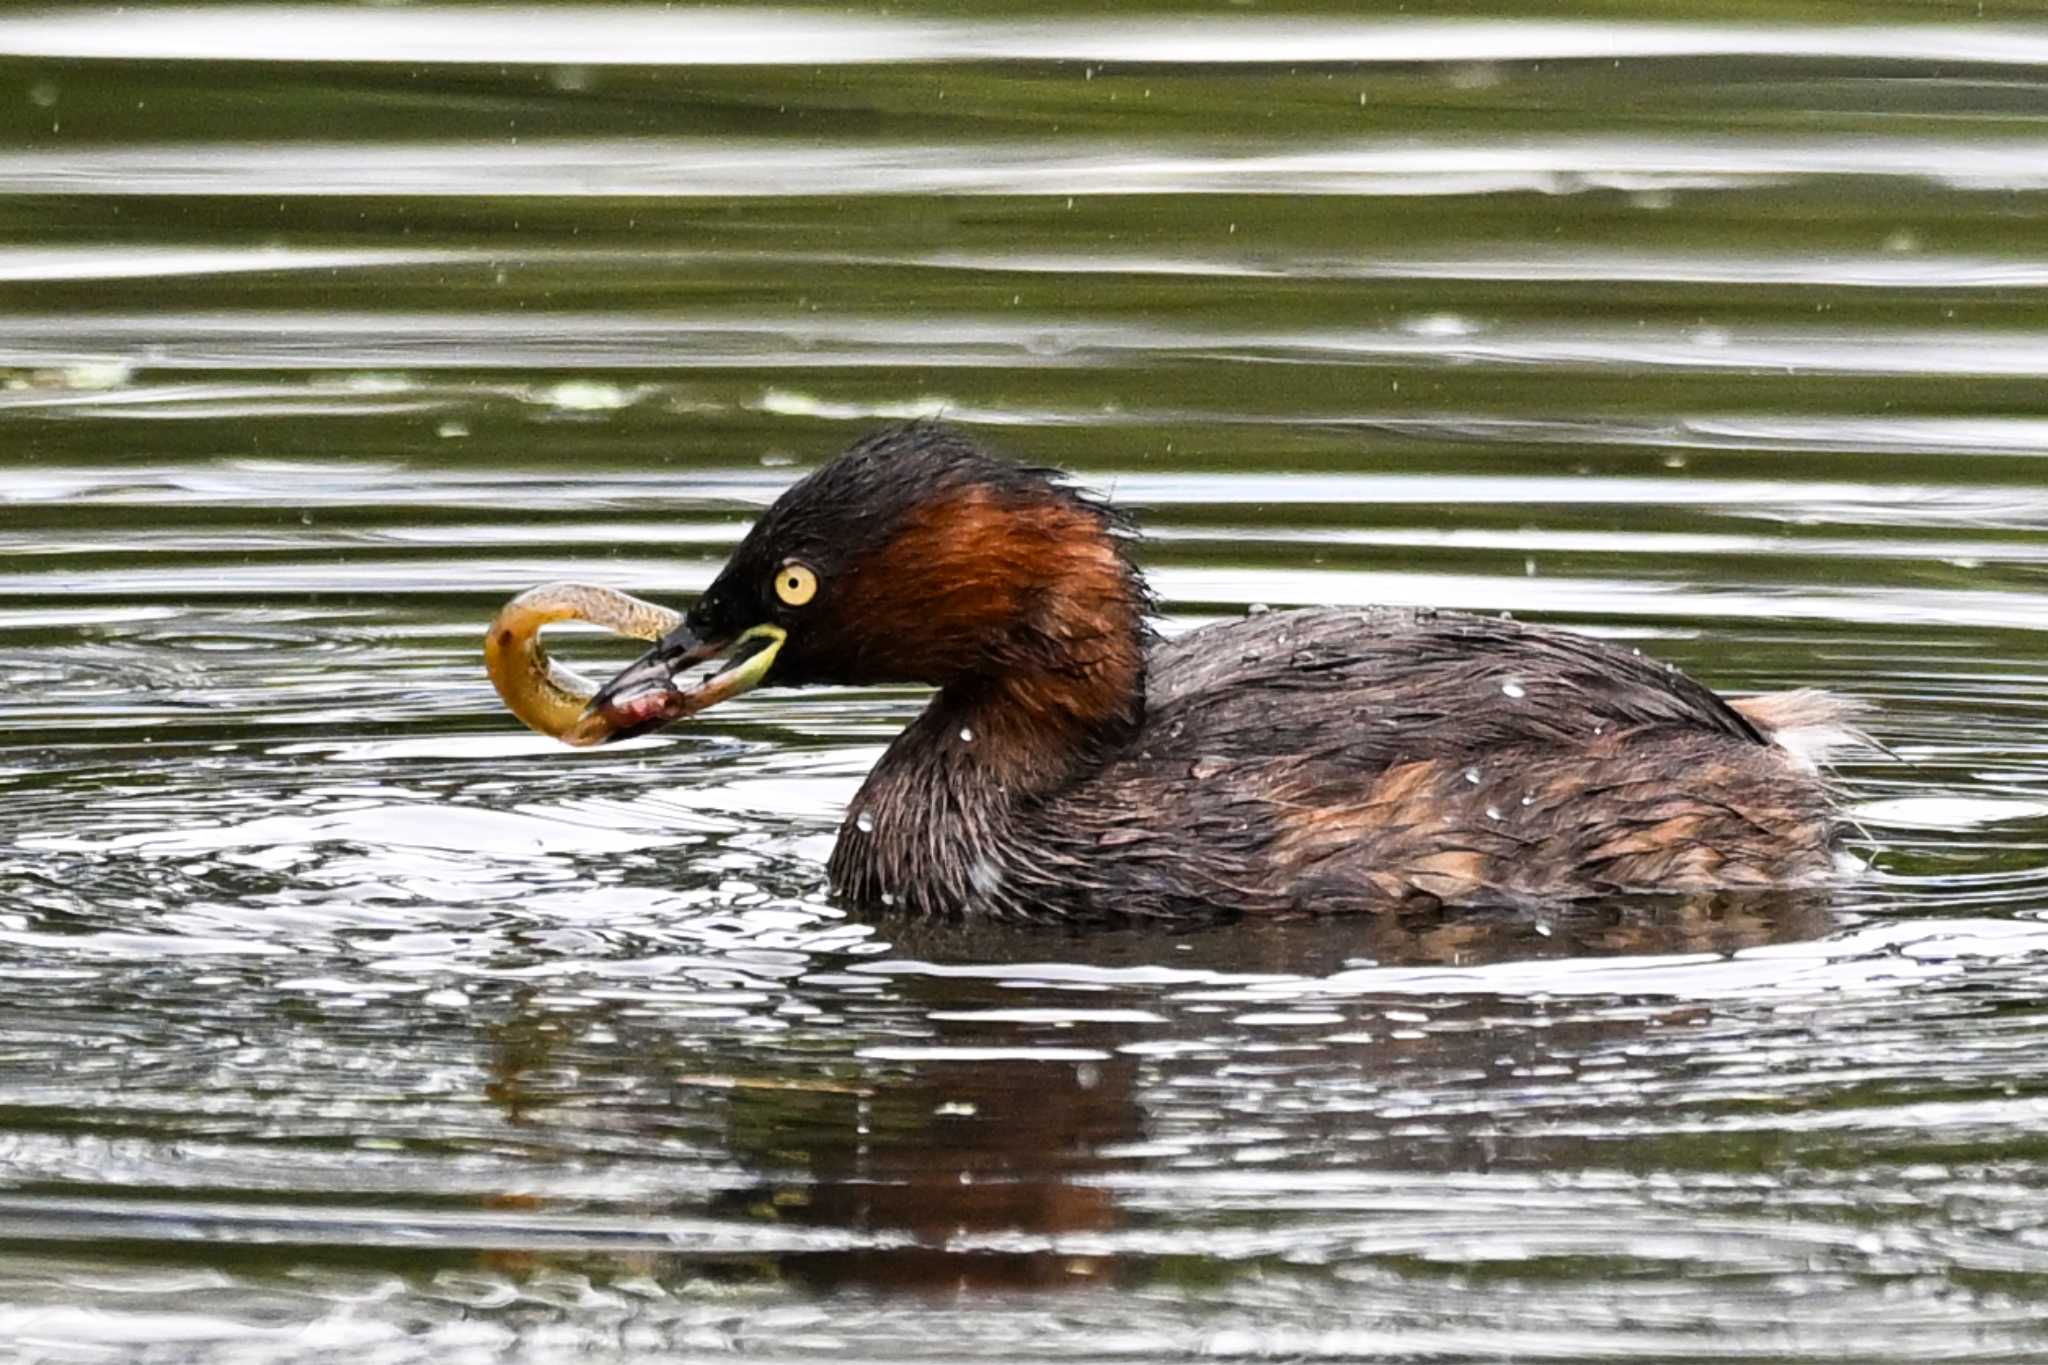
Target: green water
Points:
(341, 1020)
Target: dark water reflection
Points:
(340, 1020)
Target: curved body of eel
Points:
(545, 693)
(1072, 764)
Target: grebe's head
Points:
(913, 557)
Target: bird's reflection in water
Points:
(1715, 922)
(951, 1158)
(1311, 947)
(972, 1159)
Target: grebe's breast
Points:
(1320, 760)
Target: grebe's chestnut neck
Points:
(915, 558)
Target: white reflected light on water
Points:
(701, 36)
(738, 168)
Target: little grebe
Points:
(1073, 764)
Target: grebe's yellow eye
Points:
(795, 584)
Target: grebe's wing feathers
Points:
(1387, 684)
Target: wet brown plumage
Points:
(1308, 761)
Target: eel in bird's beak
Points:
(647, 694)
(650, 692)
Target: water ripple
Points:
(713, 36)
(680, 168)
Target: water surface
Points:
(342, 1020)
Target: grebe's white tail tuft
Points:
(1809, 724)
